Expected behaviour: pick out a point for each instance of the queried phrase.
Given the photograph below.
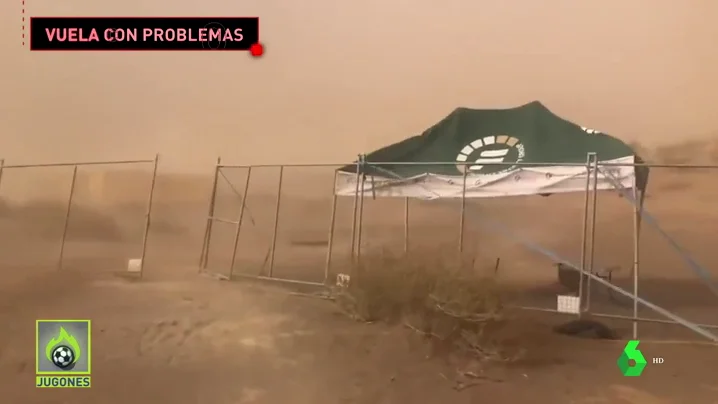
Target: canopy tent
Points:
(525, 150)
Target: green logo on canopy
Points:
(491, 155)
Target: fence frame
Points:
(68, 210)
(211, 218)
(585, 268)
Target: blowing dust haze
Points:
(342, 78)
(263, 285)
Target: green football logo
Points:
(63, 338)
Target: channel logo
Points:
(63, 353)
(631, 362)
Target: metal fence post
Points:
(204, 254)
(150, 199)
(276, 222)
(239, 222)
(67, 218)
(332, 225)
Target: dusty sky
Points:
(340, 77)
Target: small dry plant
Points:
(452, 303)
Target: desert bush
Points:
(452, 303)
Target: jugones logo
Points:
(63, 349)
(491, 149)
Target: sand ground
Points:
(176, 336)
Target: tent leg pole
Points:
(636, 226)
(406, 226)
(584, 233)
(356, 268)
(463, 214)
(355, 208)
(593, 232)
(360, 220)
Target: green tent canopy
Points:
(531, 144)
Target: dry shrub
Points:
(452, 303)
